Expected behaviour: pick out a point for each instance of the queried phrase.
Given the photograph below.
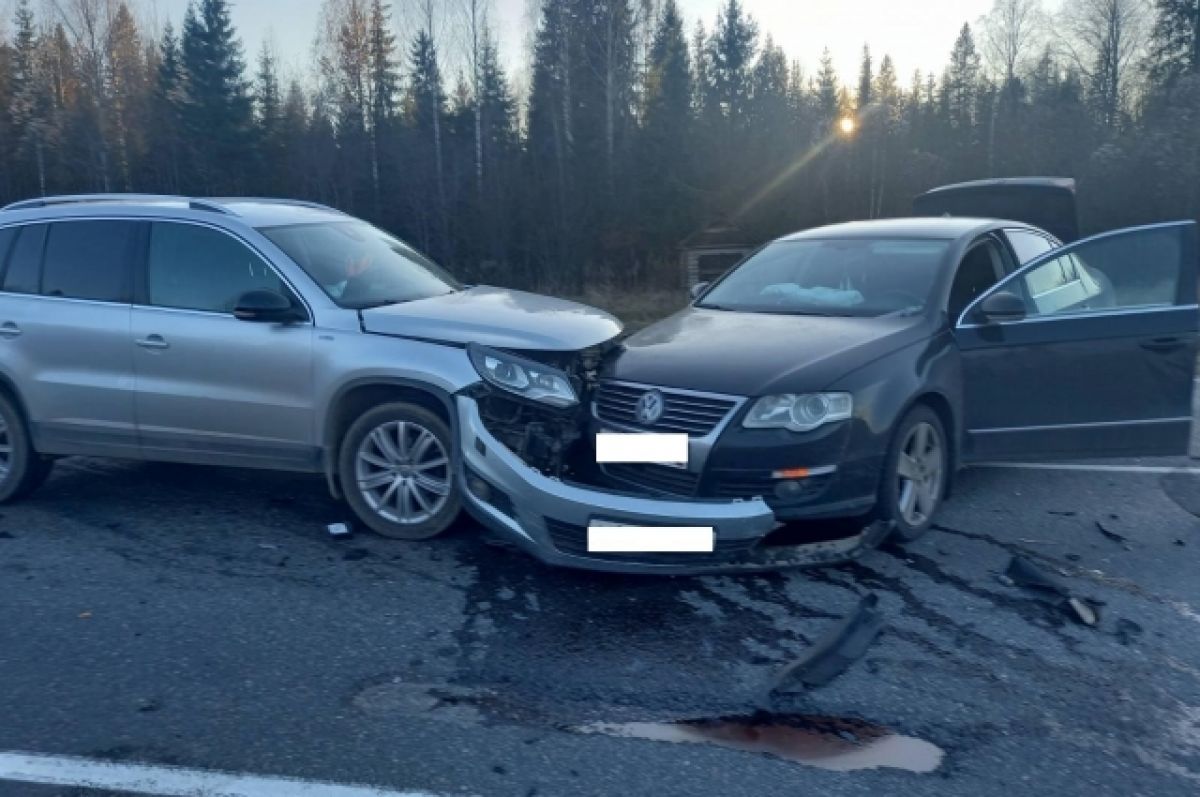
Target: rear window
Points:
(1028, 245)
(89, 260)
(25, 260)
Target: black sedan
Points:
(850, 370)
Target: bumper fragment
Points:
(548, 518)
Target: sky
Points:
(918, 34)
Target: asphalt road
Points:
(203, 618)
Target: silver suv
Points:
(287, 335)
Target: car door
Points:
(64, 332)
(210, 387)
(1102, 359)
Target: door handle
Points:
(10, 330)
(1163, 344)
(153, 342)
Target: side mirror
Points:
(698, 288)
(266, 307)
(1001, 306)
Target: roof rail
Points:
(208, 205)
(300, 203)
(79, 199)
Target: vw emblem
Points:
(650, 407)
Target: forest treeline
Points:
(637, 128)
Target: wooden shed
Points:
(709, 253)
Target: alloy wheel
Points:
(403, 472)
(919, 474)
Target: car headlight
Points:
(799, 412)
(526, 378)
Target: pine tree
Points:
(6, 126)
(427, 108)
(33, 122)
(1176, 40)
(384, 85)
(166, 123)
(731, 50)
(866, 80)
(268, 102)
(665, 143)
(217, 108)
(127, 85)
(827, 90)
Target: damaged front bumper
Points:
(549, 518)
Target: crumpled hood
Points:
(756, 354)
(496, 317)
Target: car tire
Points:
(914, 474)
(22, 469)
(396, 464)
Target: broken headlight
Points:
(526, 378)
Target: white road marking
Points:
(659, 448)
(650, 539)
(168, 781)
(1070, 466)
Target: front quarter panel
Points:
(346, 359)
(887, 388)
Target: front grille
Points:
(683, 412)
(656, 478)
(572, 540)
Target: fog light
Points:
(791, 473)
(789, 489)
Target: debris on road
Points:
(338, 529)
(1112, 535)
(832, 654)
(1127, 631)
(1024, 573)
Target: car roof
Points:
(251, 211)
(938, 227)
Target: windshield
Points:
(360, 266)
(850, 277)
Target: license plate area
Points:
(610, 537)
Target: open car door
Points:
(1087, 351)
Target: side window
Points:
(7, 236)
(89, 260)
(1128, 270)
(980, 269)
(198, 268)
(23, 274)
(1028, 245)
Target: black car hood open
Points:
(756, 354)
(496, 317)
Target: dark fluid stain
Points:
(833, 743)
